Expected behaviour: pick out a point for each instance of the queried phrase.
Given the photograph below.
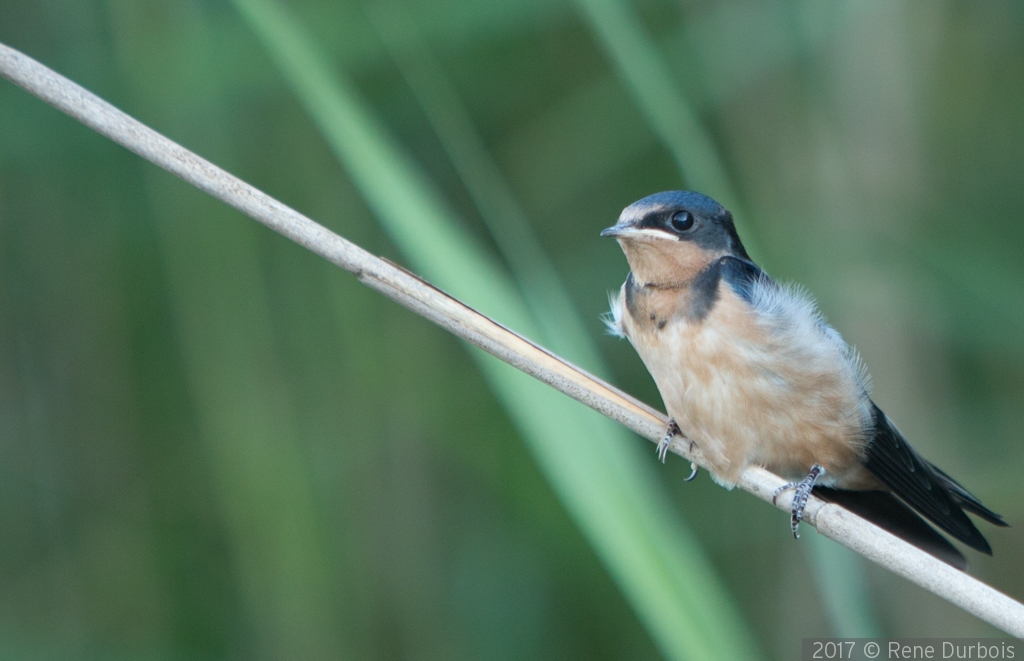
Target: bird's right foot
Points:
(671, 432)
(803, 492)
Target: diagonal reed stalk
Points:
(419, 296)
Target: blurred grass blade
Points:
(662, 102)
(562, 330)
(605, 483)
(668, 111)
(968, 275)
(843, 585)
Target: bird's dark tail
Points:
(894, 516)
(933, 494)
(966, 499)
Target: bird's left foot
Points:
(803, 492)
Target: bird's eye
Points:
(681, 221)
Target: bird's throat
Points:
(666, 263)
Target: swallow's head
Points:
(670, 237)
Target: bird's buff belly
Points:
(744, 399)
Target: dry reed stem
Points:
(426, 300)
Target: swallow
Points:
(752, 374)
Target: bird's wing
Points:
(742, 276)
(898, 466)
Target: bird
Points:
(751, 373)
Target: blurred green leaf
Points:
(561, 328)
(600, 475)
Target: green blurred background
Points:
(215, 445)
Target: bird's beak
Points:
(616, 230)
(628, 230)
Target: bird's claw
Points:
(670, 432)
(803, 492)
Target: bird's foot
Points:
(803, 492)
(670, 433)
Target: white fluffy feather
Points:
(613, 318)
(792, 313)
